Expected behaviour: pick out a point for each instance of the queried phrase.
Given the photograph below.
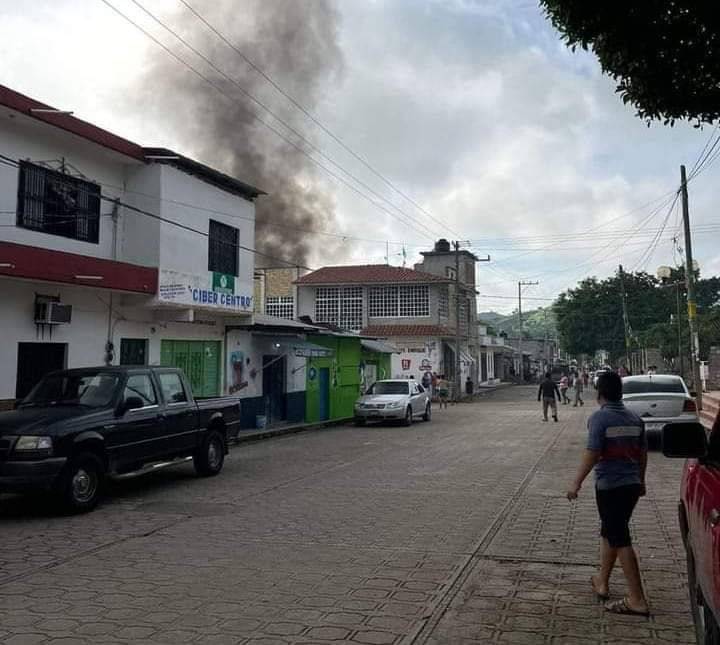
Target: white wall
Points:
(26, 138)
(251, 348)
(86, 335)
(419, 351)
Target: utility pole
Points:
(679, 329)
(690, 282)
(626, 321)
(521, 284)
(456, 393)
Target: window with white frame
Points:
(280, 306)
(443, 302)
(341, 306)
(411, 301)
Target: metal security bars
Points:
(59, 204)
(411, 301)
(223, 241)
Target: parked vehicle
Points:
(659, 400)
(699, 517)
(77, 427)
(400, 400)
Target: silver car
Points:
(659, 399)
(399, 400)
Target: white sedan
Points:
(659, 399)
(398, 399)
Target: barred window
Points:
(223, 249)
(443, 302)
(383, 302)
(411, 301)
(341, 306)
(53, 202)
(280, 306)
(414, 301)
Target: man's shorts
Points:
(616, 506)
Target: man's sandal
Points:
(622, 607)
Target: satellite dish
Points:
(664, 272)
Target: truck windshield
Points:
(388, 388)
(89, 389)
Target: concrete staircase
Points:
(711, 405)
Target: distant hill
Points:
(536, 323)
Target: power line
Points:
(313, 118)
(268, 125)
(5, 160)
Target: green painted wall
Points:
(344, 368)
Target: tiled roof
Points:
(389, 331)
(368, 274)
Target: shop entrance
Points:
(274, 388)
(199, 359)
(34, 361)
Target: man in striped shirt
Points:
(617, 450)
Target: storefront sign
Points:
(212, 290)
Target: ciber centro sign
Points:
(215, 290)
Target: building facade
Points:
(415, 309)
(111, 252)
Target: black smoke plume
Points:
(296, 44)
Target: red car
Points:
(699, 514)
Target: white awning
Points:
(466, 358)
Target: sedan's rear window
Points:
(652, 387)
(388, 388)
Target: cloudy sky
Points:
(471, 108)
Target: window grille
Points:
(443, 302)
(223, 243)
(280, 306)
(412, 301)
(59, 204)
(341, 306)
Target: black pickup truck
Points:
(79, 426)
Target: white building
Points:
(413, 308)
(112, 252)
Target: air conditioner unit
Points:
(52, 313)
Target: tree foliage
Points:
(590, 318)
(664, 55)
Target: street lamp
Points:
(664, 273)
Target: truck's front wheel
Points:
(209, 459)
(80, 485)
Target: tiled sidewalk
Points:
(531, 582)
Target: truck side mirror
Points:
(685, 440)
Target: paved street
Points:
(456, 531)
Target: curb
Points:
(269, 433)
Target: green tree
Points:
(664, 55)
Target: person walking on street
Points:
(547, 391)
(578, 390)
(443, 391)
(564, 385)
(617, 451)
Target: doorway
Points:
(274, 387)
(133, 351)
(34, 361)
(324, 393)
(199, 359)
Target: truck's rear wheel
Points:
(80, 485)
(210, 457)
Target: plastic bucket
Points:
(260, 421)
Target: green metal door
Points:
(199, 359)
